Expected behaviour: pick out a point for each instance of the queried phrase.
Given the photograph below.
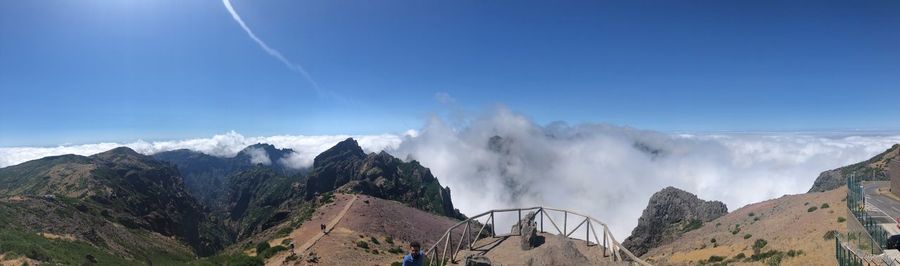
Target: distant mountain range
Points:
(122, 207)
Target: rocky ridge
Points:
(874, 169)
(670, 213)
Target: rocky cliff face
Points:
(259, 198)
(380, 175)
(670, 213)
(875, 168)
(206, 177)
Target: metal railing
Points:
(847, 255)
(856, 201)
(866, 239)
(463, 235)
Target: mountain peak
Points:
(264, 146)
(270, 149)
(263, 153)
(344, 150)
(119, 152)
(122, 150)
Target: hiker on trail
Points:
(292, 248)
(415, 256)
(323, 227)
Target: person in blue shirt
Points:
(415, 256)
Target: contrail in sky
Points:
(271, 51)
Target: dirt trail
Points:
(309, 233)
(330, 226)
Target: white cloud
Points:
(258, 156)
(610, 171)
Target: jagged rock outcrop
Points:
(562, 251)
(529, 238)
(875, 168)
(380, 175)
(670, 213)
(477, 260)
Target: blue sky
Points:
(87, 71)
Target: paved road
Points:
(883, 209)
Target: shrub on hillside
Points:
(284, 231)
(812, 209)
(759, 245)
(327, 197)
(395, 250)
(269, 252)
(245, 260)
(262, 247)
(693, 225)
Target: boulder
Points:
(477, 260)
(529, 238)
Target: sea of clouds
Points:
(606, 171)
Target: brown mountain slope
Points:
(790, 225)
(392, 225)
(874, 168)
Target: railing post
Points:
(446, 245)
(493, 227)
(450, 242)
(469, 235)
(565, 222)
(519, 222)
(605, 243)
(542, 219)
(587, 235)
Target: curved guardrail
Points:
(447, 248)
